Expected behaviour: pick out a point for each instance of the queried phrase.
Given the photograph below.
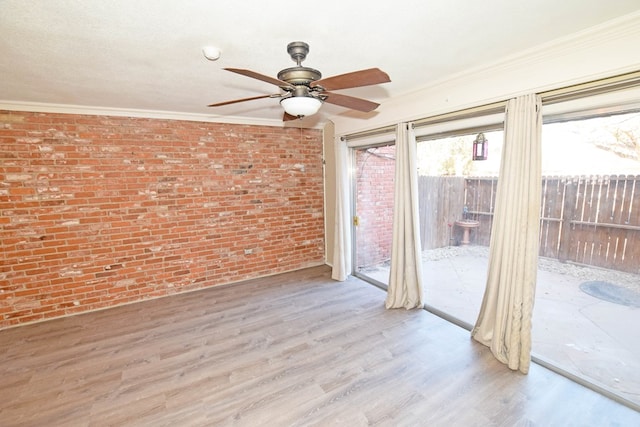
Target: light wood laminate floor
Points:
(296, 349)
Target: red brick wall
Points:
(375, 169)
(100, 211)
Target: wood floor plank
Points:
(296, 349)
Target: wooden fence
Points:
(588, 220)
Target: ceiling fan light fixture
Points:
(301, 105)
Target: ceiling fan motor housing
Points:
(299, 75)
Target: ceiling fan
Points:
(303, 90)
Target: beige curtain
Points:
(342, 232)
(405, 278)
(504, 322)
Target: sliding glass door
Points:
(373, 180)
(587, 304)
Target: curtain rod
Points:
(370, 133)
(467, 113)
(595, 87)
(567, 93)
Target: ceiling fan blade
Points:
(350, 102)
(259, 76)
(220, 104)
(371, 76)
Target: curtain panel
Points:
(405, 277)
(504, 321)
(342, 264)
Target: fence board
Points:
(441, 201)
(551, 216)
(632, 237)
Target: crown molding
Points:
(38, 107)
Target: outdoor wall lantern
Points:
(480, 147)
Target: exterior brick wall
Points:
(100, 211)
(375, 168)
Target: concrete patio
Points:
(582, 334)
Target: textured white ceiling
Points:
(147, 54)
